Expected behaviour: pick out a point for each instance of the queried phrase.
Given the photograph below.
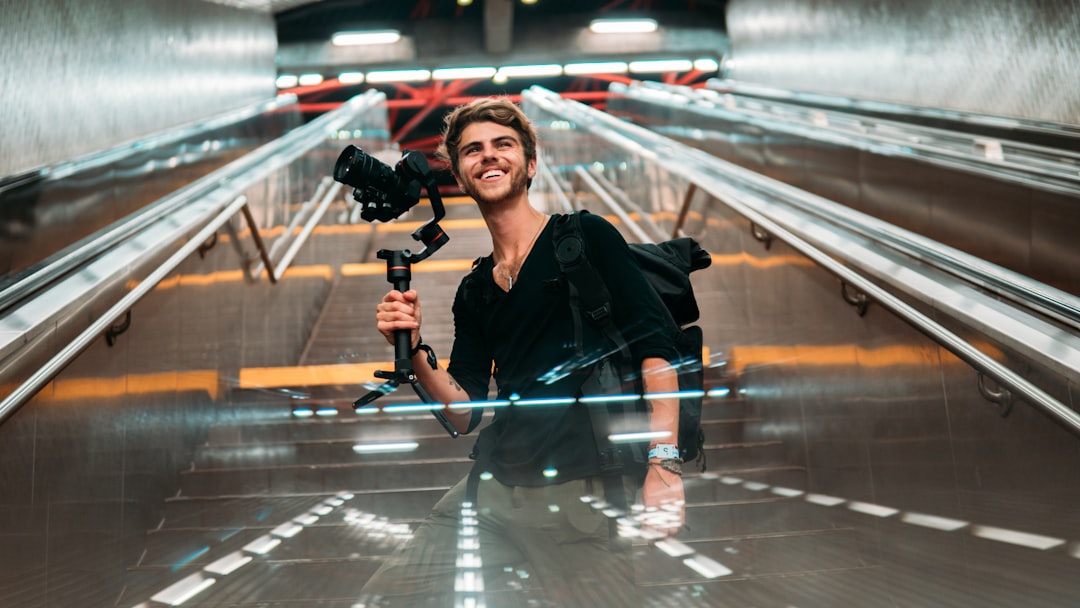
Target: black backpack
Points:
(667, 267)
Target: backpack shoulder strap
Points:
(589, 295)
(590, 298)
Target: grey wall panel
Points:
(1018, 59)
(79, 77)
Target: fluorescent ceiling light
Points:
(287, 81)
(622, 26)
(371, 37)
(607, 67)
(399, 76)
(310, 80)
(462, 73)
(706, 65)
(663, 65)
(529, 71)
(350, 77)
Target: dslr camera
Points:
(383, 193)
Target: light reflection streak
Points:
(389, 447)
(191, 585)
(469, 580)
(936, 522)
(183, 590)
(640, 436)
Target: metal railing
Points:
(868, 266)
(193, 213)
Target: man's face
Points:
(491, 163)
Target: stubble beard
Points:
(518, 186)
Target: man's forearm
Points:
(659, 377)
(443, 389)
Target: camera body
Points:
(383, 193)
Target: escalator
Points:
(879, 430)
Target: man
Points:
(540, 543)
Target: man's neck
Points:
(513, 226)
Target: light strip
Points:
(640, 436)
(462, 73)
(377, 448)
(609, 398)
(622, 26)
(868, 508)
(824, 500)
(673, 547)
(663, 65)
(547, 401)
(526, 71)
(229, 564)
(606, 67)
(399, 76)
(933, 521)
(183, 590)
(350, 77)
(1034, 541)
(706, 567)
(287, 530)
(361, 38)
(262, 545)
(675, 395)
(310, 80)
(413, 407)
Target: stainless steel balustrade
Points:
(190, 215)
(969, 119)
(877, 269)
(1025, 164)
(1054, 303)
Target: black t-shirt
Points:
(526, 338)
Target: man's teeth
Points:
(492, 173)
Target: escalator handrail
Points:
(972, 119)
(1047, 300)
(292, 143)
(697, 166)
(227, 185)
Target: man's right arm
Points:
(444, 389)
(398, 311)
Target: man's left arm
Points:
(662, 492)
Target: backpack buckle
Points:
(599, 313)
(609, 460)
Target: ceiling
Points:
(441, 33)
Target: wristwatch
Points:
(665, 451)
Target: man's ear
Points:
(532, 167)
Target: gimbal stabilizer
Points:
(412, 168)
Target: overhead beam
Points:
(498, 26)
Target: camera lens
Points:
(383, 195)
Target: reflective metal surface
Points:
(987, 56)
(890, 181)
(81, 77)
(213, 456)
(45, 214)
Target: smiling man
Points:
(539, 543)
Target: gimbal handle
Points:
(399, 273)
